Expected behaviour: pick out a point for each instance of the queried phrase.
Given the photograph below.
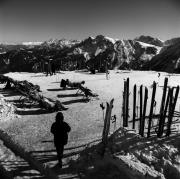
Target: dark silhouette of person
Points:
(60, 129)
(48, 67)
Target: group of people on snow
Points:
(50, 67)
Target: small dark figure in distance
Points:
(60, 129)
(107, 74)
(48, 67)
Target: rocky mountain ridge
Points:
(167, 60)
(93, 52)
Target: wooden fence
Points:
(144, 121)
(167, 109)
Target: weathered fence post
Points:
(144, 112)
(124, 105)
(172, 106)
(170, 111)
(160, 132)
(151, 108)
(165, 110)
(127, 102)
(134, 106)
(141, 107)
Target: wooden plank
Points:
(144, 111)
(124, 104)
(170, 112)
(141, 108)
(134, 106)
(127, 102)
(172, 106)
(162, 108)
(151, 108)
(165, 110)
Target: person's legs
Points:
(60, 149)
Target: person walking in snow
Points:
(60, 130)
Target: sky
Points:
(40, 20)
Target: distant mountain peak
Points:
(150, 40)
(31, 43)
(111, 39)
(102, 37)
(60, 43)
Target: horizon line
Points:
(116, 39)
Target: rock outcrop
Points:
(172, 41)
(132, 54)
(168, 60)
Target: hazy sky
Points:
(39, 20)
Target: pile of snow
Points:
(7, 110)
(137, 157)
(155, 157)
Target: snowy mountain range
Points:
(143, 52)
(31, 43)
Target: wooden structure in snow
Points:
(164, 118)
(32, 92)
(106, 128)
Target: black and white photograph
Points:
(89, 89)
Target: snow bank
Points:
(135, 156)
(152, 157)
(21, 152)
(7, 110)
